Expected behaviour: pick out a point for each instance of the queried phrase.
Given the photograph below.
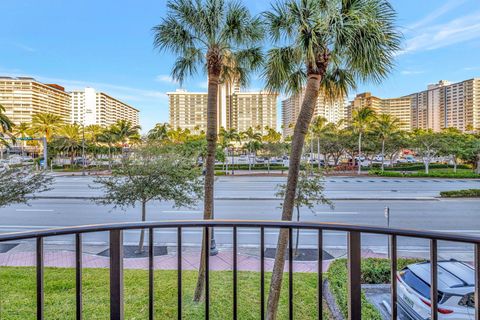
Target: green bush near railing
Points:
(467, 193)
(374, 271)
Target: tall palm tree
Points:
(222, 38)
(386, 127)
(69, 139)
(362, 122)
(124, 130)
(159, 132)
(318, 128)
(6, 126)
(46, 124)
(271, 135)
(22, 130)
(322, 45)
(109, 137)
(251, 136)
(227, 137)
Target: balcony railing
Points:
(353, 232)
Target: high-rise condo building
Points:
(333, 111)
(89, 106)
(236, 109)
(22, 97)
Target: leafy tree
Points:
(362, 121)
(17, 184)
(310, 192)
(427, 144)
(46, 124)
(326, 45)
(22, 130)
(228, 138)
(457, 145)
(386, 127)
(153, 175)
(271, 135)
(6, 125)
(273, 149)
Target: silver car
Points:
(456, 286)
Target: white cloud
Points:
(448, 6)
(165, 78)
(458, 30)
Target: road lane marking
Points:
(34, 210)
(335, 212)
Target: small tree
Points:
(152, 174)
(427, 144)
(18, 183)
(309, 192)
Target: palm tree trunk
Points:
(383, 155)
(142, 232)
(213, 79)
(359, 153)
(318, 153)
(298, 140)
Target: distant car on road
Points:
(81, 162)
(456, 286)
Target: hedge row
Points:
(432, 174)
(467, 193)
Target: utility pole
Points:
(83, 148)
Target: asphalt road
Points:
(412, 203)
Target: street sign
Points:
(26, 139)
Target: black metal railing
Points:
(354, 233)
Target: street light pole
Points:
(83, 148)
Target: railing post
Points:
(433, 280)
(393, 275)
(116, 275)
(151, 252)
(78, 275)
(354, 276)
(477, 280)
(320, 275)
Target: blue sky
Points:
(108, 45)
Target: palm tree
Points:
(46, 124)
(6, 126)
(318, 128)
(252, 138)
(271, 135)
(386, 127)
(109, 137)
(22, 130)
(362, 121)
(69, 139)
(159, 132)
(222, 38)
(124, 130)
(227, 137)
(322, 45)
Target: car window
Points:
(418, 284)
(468, 300)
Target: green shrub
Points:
(432, 174)
(374, 271)
(420, 167)
(467, 193)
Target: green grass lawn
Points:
(17, 294)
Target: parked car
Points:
(456, 286)
(407, 159)
(81, 162)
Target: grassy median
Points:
(466, 193)
(17, 294)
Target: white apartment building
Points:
(89, 106)
(333, 111)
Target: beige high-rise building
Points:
(22, 97)
(400, 108)
(333, 111)
(91, 107)
(236, 109)
(448, 105)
